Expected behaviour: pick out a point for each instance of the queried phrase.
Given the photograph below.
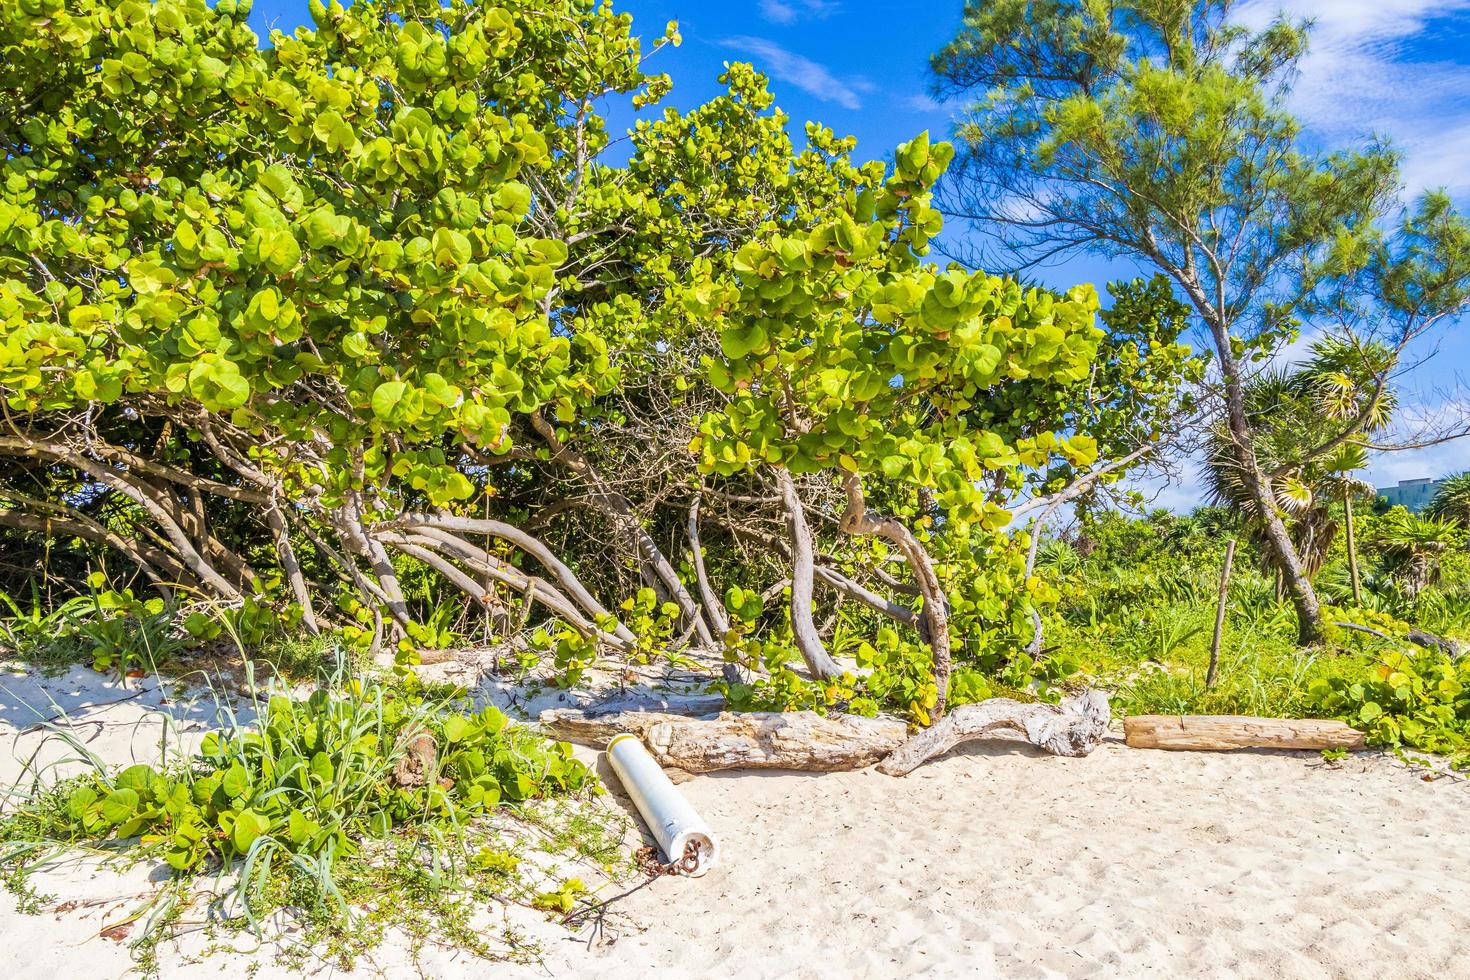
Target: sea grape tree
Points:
(312, 265)
(364, 319)
(845, 354)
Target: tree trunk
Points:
(1220, 614)
(935, 613)
(714, 609)
(803, 629)
(1352, 549)
(276, 521)
(1219, 733)
(1280, 550)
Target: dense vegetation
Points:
(1161, 131)
(357, 336)
(320, 808)
(1137, 609)
(358, 333)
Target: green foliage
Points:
(327, 806)
(340, 318)
(563, 898)
(1293, 413)
(115, 629)
(1451, 501)
(308, 784)
(237, 276)
(1162, 131)
(43, 633)
(1137, 609)
(1419, 701)
(1412, 546)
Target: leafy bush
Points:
(1416, 700)
(113, 627)
(1138, 611)
(348, 772)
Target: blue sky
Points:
(1400, 68)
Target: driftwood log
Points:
(596, 724)
(806, 741)
(1222, 733)
(774, 740)
(1073, 727)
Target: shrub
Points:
(391, 779)
(1414, 700)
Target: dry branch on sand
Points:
(1073, 727)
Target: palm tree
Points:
(1349, 458)
(1451, 500)
(1411, 546)
(1293, 413)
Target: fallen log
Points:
(1222, 733)
(596, 724)
(1073, 728)
(801, 740)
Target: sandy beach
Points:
(993, 861)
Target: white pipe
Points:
(673, 821)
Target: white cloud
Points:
(924, 102)
(1356, 81)
(1435, 414)
(1387, 469)
(921, 103)
(788, 66)
(790, 11)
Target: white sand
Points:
(993, 861)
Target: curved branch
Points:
(712, 604)
(803, 629)
(840, 581)
(616, 506)
(77, 525)
(454, 575)
(526, 542)
(276, 521)
(857, 520)
(542, 591)
(193, 560)
(61, 452)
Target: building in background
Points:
(1412, 495)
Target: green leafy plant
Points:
(1415, 700)
(1451, 501)
(310, 792)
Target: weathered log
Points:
(595, 724)
(1073, 727)
(801, 740)
(1222, 733)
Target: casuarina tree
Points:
(1159, 132)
